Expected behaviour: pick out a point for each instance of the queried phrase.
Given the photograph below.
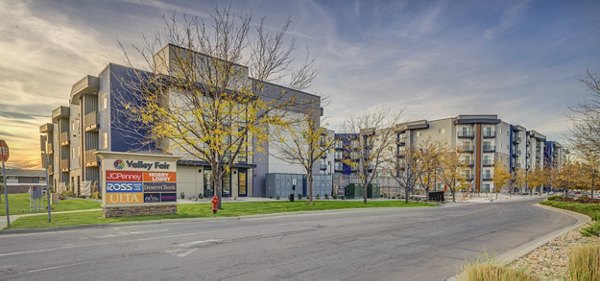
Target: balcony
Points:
(64, 138)
(468, 163)
(49, 149)
(323, 167)
(88, 85)
(90, 121)
(489, 135)
(465, 148)
(90, 158)
(60, 112)
(488, 163)
(516, 153)
(64, 165)
(468, 177)
(487, 177)
(465, 134)
(517, 139)
(46, 128)
(489, 148)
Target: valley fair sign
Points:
(138, 184)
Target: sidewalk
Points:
(491, 197)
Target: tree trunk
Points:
(406, 195)
(309, 194)
(217, 186)
(365, 190)
(453, 195)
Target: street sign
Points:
(3, 151)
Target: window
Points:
(105, 140)
(105, 101)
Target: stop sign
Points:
(3, 151)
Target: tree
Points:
(304, 143)
(430, 153)
(194, 97)
(536, 179)
(550, 175)
(585, 118)
(567, 175)
(405, 169)
(374, 144)
(501, 176)
(520, 179)
(452, 175)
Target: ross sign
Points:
(4, 153)
(124, 187)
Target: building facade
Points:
(89, 124)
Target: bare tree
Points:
(304, 143)
(195, 97)
(405, 169)
(375, 142)
(585, 118)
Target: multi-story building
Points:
(554, 154)
(90, 123)
(483, 141)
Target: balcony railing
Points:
(465, 134)
(488, 163)
(90, 158)
(517, 139)
(323, 167)
(469, 163)
(64, 165)
(487, 177)
(64, 138)
(489, 148)
(489, 134)
(90, 121)
(466, 148)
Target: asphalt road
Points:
(373, 244)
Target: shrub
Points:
(277, 196)
(182, 195)
(96, 195)
(299, 196)
(490, 272)
(200, 196)
(584, 263)
(334, 196)
(555, 198)
(326, 196)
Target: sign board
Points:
(4, 153)
(136, 179)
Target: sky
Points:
(432, 59)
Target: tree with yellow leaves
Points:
(452, 172)
(536, 179)
(520, 179)
(194, 97)
(430, 154)
(501, 176)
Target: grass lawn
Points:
(590, 209)
(203, 210)
(19, 204)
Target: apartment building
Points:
(483, 141)
(554, 154)
(89, 124)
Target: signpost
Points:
(4, 157)
(138, 184)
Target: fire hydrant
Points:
(215, 203)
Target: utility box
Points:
(281, 185)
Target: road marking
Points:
(130, 233)
(55, 267)
(183, 250)
(51, 249)
(5, 266)
(193, 243)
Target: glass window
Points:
(243, 183)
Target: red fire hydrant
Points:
(215, 203)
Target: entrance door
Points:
(243, 183)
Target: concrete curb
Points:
(192, 220)
(528, 247)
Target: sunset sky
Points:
(518, 59)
